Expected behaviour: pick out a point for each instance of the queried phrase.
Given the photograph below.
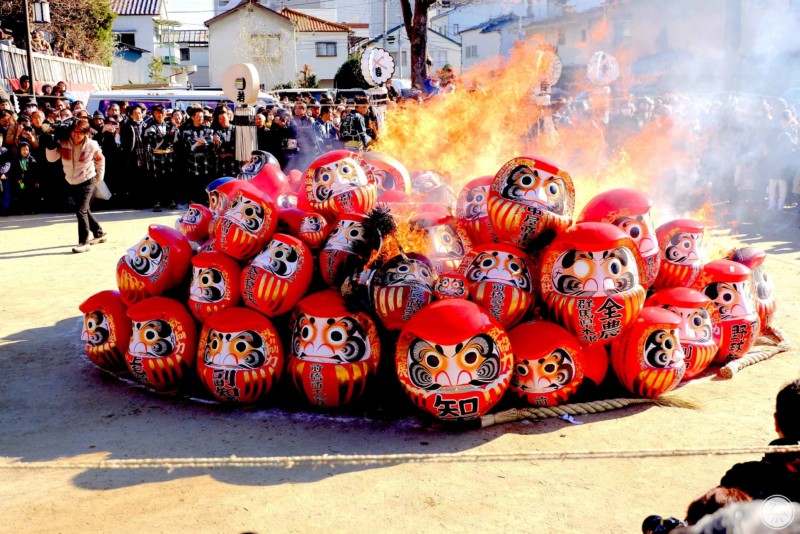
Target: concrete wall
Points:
(141, 25)
(487, 45)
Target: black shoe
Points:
(157, 207)
(99, 238)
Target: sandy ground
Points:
(54, 405)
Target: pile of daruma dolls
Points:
(512, 291)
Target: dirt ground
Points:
(54, 405)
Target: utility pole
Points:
(385, 21)
(28, 44)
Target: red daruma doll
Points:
(647, 358)
(699, 329)
(215, 284)
(762, 284)
(155, 264)
(195, 224)
(334, 352)
(106, 330)
(528, 197)
(591, 283)
(401, 287)
(454, 360)
(239, 357)
(451, 286)
(162, 348)
(548, 363)
(278, 277)
(727, 284)
(340, 182)
(629, 210)
(679, 242)
(472, 211)
(248, 222)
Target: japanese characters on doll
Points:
(648, 358)
(155, 264)
(681, 261)
(339, 183)
(528, 197)
(258, 159)
(215, 284)
(351, 242)
(161, 353)
(590, 280)
(762, 284)
(446, 246)
(106, 330)
(239, 356)
(454, 360)
(334, 352)
(728, 285)
(401, 287)
(248, 222)
(500, 279)
(196, 223)
(548, 363)
(310, 228)
(472, 210)
(451, 286)
(278, 277)
(430, 186)
(629, 210)
(699, 329)
(389, 173)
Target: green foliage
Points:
(289, 85)
(349, 74)
(156, 70)
(311, 81)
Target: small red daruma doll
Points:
(727, 284)
(591, 281)
(699, 329)
(155, 264)
(451, 286)
(239, 356)
(647, 358)
(278, 277)
(446, 248)
(548, 363)
(629, 210)
(340, 182)
(401, 287)
(218, 198)
(334, 352)
(310, 228)
(195, 224)
(454, 360)
(529, 196)
(762, 284)
(499, 278)
(106, 330)
(347, 248)
(162, 349)
(472, 210)
(215, 284)
(679, 241)
(389, 173)
(248, 222)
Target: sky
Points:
(190, 12)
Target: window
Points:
(622, 32)
(404, 55)
(185, 56)
(472, 51)
(583, 36)
(326, 49)
(439, 58)
(126, 38)
(562, 37)
(265, 47)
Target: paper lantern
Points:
(679, 242)
(106, 330)
(215, 284)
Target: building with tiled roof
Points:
(134, 29)
(307, 23)
(136, 7)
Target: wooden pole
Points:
(30, 48)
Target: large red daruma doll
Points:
(679, 242)
(196, 223)
(161, 353)
(106, 330)
(500, 279)
(472, 210)
(348, 246)
(389, 173)
(629, 210)
(239, 357)
(215, 284)
(334, 352)
(591, 281)
(155, 264)
(454, 360)
(401, 287)
(529, 196)
(340, 182)
(248, 222)
(727, 284)
(647, 358)
(699, 329)
(278, 277)
(762, 284)
(548, 363)
(446, 247)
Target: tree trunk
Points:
(417, 30)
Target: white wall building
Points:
(136, 31)
(451, 22)
(192, 49)
(493, 38)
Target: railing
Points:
(81, 78)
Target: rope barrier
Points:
(289, 462)
(775, 344)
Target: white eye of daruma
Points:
(581, 268)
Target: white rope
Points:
(245, 132)
(288, 462)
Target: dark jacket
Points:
(774, 474)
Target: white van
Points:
(171, 98)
